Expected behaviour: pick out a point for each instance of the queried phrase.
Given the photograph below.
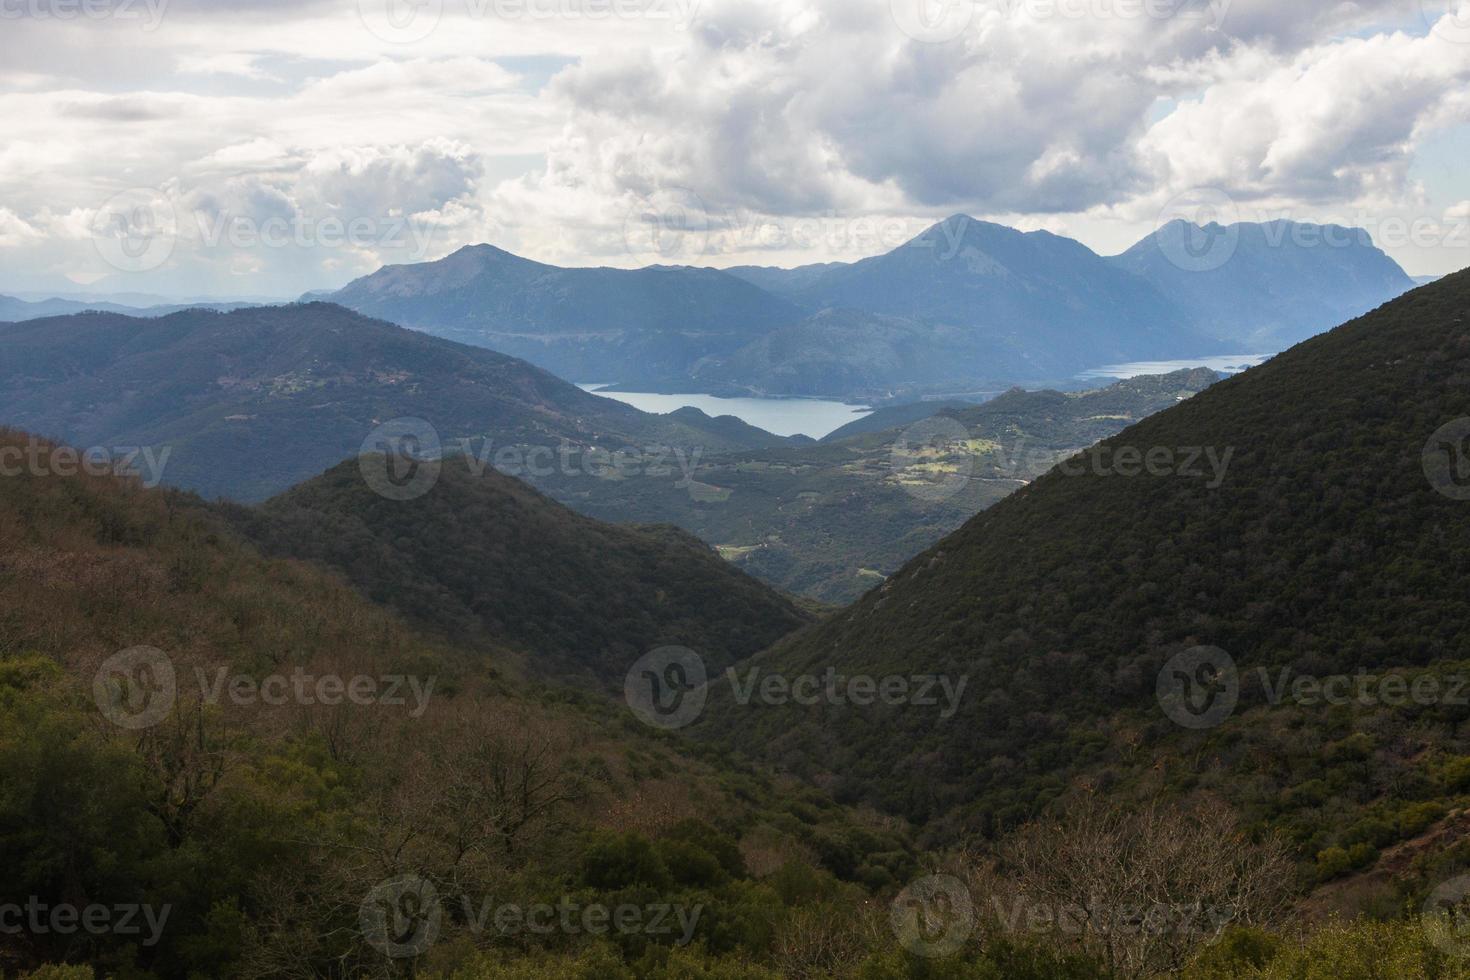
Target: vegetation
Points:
(257, 832)
(1324, 550)
(254, 401)
(485, 559)
(811, 519)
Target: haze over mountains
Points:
(580, 324)
(964, 302)
(1267, 286)
(13, 310)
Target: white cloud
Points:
(764, 113)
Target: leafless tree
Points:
(1143, 887)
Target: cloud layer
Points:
(626, 131)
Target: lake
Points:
(813, 417)
(1228, 364)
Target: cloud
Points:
(725, 116)
(1339, 122)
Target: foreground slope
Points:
(485, 558)
(249, 834)
(254, 401)
(1324, 550)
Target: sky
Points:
(266, 148)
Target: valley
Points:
(744, 491)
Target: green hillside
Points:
(257, 835)
(1324, 550)
(829, 520)
(252, 402)
(485, 558)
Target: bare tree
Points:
(184, 756)
(1141, 888)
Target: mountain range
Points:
(13, 310)
(580, 324)
(256, 400)
(1266, 287)
(964, 302)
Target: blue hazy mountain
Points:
(997, 302)
(582, 324)
(1267, 286)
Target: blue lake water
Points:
(813, 417)
(1228, 364)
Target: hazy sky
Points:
(268, 147)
